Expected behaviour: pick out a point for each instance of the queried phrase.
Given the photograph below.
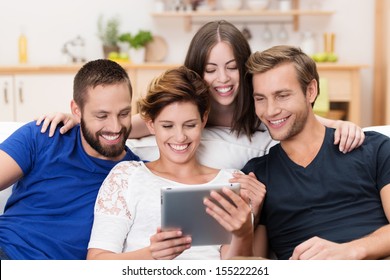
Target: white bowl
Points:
(231, 4)
(257, 4)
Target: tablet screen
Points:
(182, 207)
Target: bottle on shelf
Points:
(22, 47)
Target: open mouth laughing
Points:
(179, 147)
(223, 91)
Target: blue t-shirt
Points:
(335, 197)
(49, 214)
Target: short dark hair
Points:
(95, 73)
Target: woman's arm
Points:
(112, 222)
(348, 135)
(236, 219)
(139, 128)
(164, 245)
(54, 119)
(252, 190)
(260, 244)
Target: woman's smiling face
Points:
(221, 74)
(178, 130)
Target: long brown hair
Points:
(244, 118)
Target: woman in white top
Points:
(127, 211)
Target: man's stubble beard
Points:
(107, 151)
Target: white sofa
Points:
(219, 148)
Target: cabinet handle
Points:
(21, 99)
(6, 93)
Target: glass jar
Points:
(308, 44)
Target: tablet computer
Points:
(182, 207)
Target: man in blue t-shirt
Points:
(320, 203)
(49, 214)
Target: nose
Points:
(115, 125)
(223, 76)
(272, 108)
(180, 136)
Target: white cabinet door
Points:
(37, 94)
(7, 108)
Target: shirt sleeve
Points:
(112, 218)
(22, 146)
(383, 162)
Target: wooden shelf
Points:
(237, 13)
(258, 15)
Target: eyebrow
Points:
(127, 109)
(108, 112)
(281, 91)
(168, 121)
(230, 61)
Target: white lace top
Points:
(127, 210)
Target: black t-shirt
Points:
(336, 197)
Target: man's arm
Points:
(10, 171)
(377, 244)
(373, 246)
(51, 121)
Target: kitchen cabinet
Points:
(252, 15)
(27, 96)
(344, 86)
(28, 91)
(6, 98)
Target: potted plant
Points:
(141, 39)
(137, 44)
(108, 33)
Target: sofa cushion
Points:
(384, 129)
(7, 128)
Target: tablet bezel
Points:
(182, 207)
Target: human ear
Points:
(312, 91)
(150, 125)
(205, 118)
(76, 112)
